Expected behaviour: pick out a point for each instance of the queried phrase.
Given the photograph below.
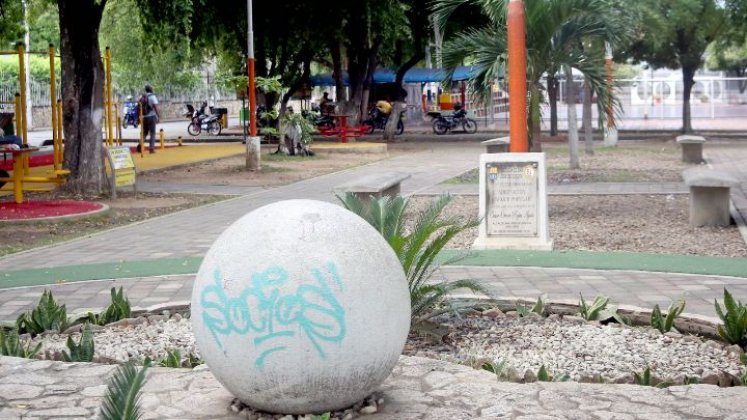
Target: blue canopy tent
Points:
(414, 75)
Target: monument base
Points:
(529, 244)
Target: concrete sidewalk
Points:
(636, 288)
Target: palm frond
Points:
(122, 400)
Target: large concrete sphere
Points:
(300, 307)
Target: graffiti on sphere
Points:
(275, 320)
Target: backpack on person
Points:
(145, 106)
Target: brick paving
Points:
(190, 233)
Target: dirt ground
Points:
(641, 223)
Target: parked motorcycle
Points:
(130, 116)
(444, 123)
(200, 121)
(378, 120)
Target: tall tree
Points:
(82, 97)
(554, 30)
(679, 40)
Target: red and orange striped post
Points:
(517, 78)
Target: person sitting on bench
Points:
(10, 139)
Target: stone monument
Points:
(300, 307)
(513, 202)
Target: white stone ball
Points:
(300, 307)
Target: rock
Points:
(625, 378)
(734, 350)
(512, 314)
(153, 319)
(320, 308)
(574, 319)
(493, 313)
(724, 379)
(672, 334)
(709, 378)
(530, 376)
(177, 317)
(369, 409)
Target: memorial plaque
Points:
(512, 203)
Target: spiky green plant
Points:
(544, 376)
(83, 350)
(599, 310)
(498, 368)
(119, 309)
(644, 379)
(123, 392)
(11, 345)
(734, 317)
(324, 416)
(417, 250)
(666, 323)
(173, 359)
(538, 308)
(47, 316)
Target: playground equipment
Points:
(21, 158)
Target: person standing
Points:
(151, 116)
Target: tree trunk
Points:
(391, 125)
(588, 135)
(552, 95)
(688, 74)
(572, 120)
(534, 126)
(334, 47)
(82, 93)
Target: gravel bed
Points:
(633, 223)
(587, 352)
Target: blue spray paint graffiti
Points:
(313, 310)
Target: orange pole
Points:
(252, 99)
(517, 78)
(610, 114)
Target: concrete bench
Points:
(376, 185)
(692, 148)
(499, 145)
(709, 196)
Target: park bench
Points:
(499, 145)
(709, 196)
(375, 185)
(692, 148)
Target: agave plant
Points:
(538, 308)
(11, 345)
(666, 323)
(119, 309)
(123, 392)
(734, 317)
(644, 379)
(47, 316)
(544, 376)
(417, 250)
(599, 310)
(82, 351)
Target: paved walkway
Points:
(418, 388)
(637, 288)
(190, 233)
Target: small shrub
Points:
(538, 308)
(644, 379)
(734, 317)
(173, 359)
(83, 350)
(11, 345)
(497, 368)
(599, 310)
(418, 249)
(123, 393)
(544, 376)
(666, 324)
(47, 316)
(119, 309)
(324, 416)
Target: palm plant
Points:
(555, 30)
(417, 249)
(123, 392)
